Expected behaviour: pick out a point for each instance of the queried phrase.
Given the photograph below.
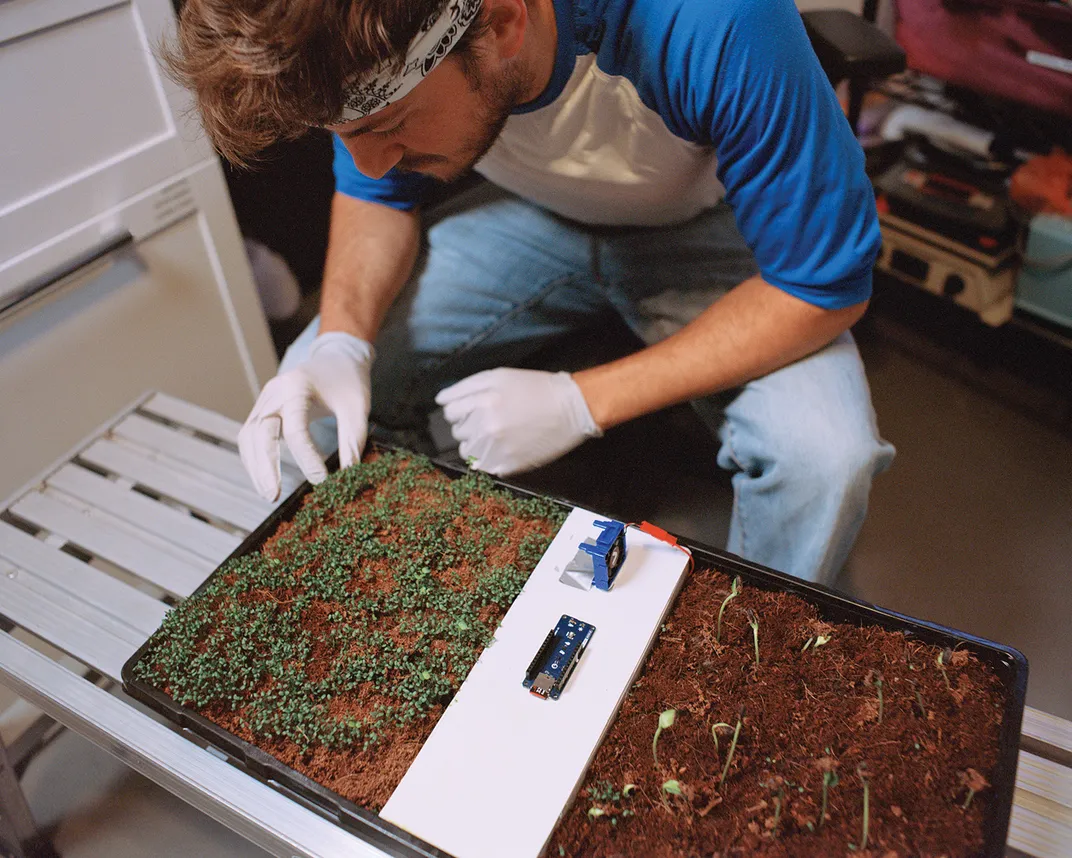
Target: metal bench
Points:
(94, 552)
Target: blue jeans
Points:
(498, 277)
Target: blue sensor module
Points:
(557, 657)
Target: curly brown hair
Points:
(266, 70)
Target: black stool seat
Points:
(850, 47)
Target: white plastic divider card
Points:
(502, 764)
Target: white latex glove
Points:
(334, 377)
(512, 420)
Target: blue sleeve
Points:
(741, 76)
(397, 190)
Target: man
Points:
(683, 162)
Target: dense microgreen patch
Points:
(366, 611)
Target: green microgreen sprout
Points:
(666, 721)
(807, 644)
(943, 659)
(864, 775)
(470, 461)
(973, 782)
(735, 591)
(627, 790)
(828, 766)
(753, 621)
(733, 747)
(595, 812)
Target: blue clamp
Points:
(608, 553)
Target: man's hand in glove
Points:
(512, 420)
(334, 377)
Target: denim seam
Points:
(737, 509)
(405, 398)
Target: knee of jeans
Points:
(842, 459)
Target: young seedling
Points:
(828, 766)
(776, 785)
(817, 640)
(733, 747)
(735, 591)
(919, 698)
(671, 787)
(666, 721)
(865, 778)
(974, 782)
(943, 659)
(627, 790)
(753, 621)
(714, 734)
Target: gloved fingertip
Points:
(351, 440)
(470, 384)
(266, 491)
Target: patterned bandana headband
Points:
(374, 91)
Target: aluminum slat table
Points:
(92, 555)
(94, 552)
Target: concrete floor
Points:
(971, 528)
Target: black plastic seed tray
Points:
(1008, 664)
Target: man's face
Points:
(443, 127)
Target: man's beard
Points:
(497, 98)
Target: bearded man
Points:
(684, 163)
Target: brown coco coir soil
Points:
(337, 646)
(805, 713)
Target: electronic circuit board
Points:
(557, 657)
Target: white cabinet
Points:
(121, 265)
(88, 120)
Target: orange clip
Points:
(660, 534)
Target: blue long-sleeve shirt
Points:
(657, 109)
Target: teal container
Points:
(1044, 286)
